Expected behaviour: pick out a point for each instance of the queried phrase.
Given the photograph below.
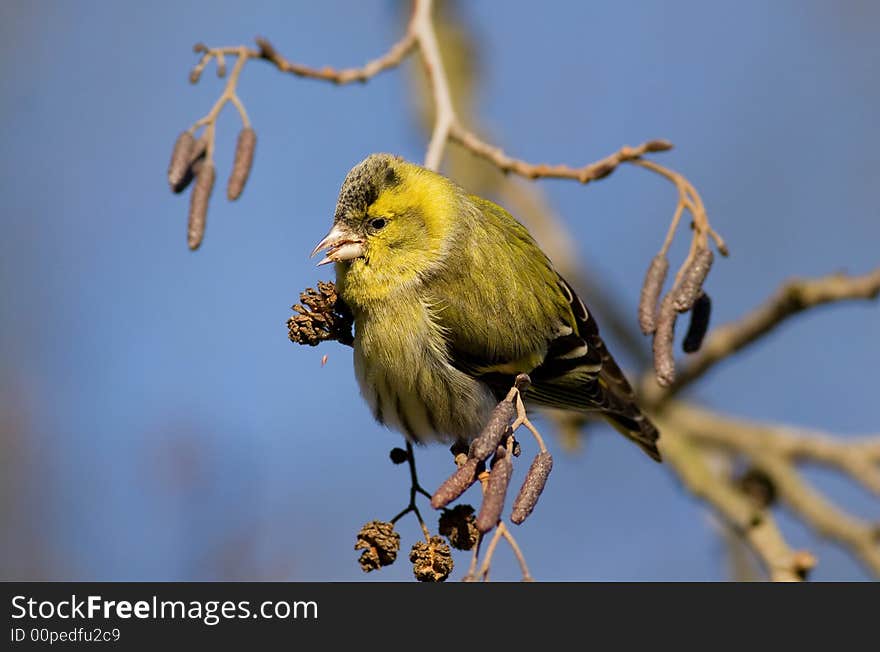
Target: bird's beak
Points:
(341, 244)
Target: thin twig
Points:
(520, 557)
(444, 116)
(590, 172)
(414, 489)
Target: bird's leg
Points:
(414, 489)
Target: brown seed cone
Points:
(496, 490)
(241, 166)
(651, 288)
(431, 560)
(532, 487)
(458, 525)
(699, 325)
(379, 543)
(198, 206)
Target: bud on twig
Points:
(198, 207)
(496, 490)
(692, 280)
(398, 456)
(456, 484)
(241, 166)
(659, 145)
(654, 279)
(522, 382)
(759, 487)
(532, 487)
(499, 422)
(700, 314)
(267, 50)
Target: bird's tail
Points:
(621, 409)
(639, 429)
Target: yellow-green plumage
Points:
(452, 298)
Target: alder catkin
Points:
(654, 279)
(456, 484)
(700, 314)
(496, 490)
(664, 337)
(198, 206)
(181, 158)
(191, 170)
(499, 421)
(532, 487)
(691, 283)
(241, 166)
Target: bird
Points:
(452, 298)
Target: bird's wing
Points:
(575, 371)
(574, 380)
(504, 310)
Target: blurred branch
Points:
(776, 450)
(754, 525)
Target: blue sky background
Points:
(159, 424)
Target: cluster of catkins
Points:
(190, 160)
(686, 295)
(496, 441)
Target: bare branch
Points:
(590, 172)
(391, 59)
(444, 116)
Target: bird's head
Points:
(393, 220)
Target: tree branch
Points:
(775, 450)
(755, 525)
(391, 59)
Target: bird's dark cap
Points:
(364, 182)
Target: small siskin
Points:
(452, 298)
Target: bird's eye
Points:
(377, 223)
